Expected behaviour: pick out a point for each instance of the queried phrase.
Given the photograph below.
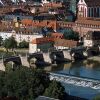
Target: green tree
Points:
(55, 90)
(25, 84)
(71, 35)
(23, 44)
(10, 43)
(97, 97)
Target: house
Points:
(92, 38)
(40, 44)
(19, 14)
(89, 8)
(64, 44)
(19, 36)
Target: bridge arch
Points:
(35, 57)
(15, 59)
(57, 56)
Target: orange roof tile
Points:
(65, 43)
(42, 40)
(26, 21)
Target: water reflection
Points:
(86, 68)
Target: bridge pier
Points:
(24, 61)
(68, 56)
(47, 58)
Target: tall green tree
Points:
(23, 44)
(55, 90)
(10, 43)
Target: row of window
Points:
(66, 25)
(88, 25)
(94, 12)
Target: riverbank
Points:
(94, 58)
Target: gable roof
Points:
(65, 43)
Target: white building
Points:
(40, 44)
(5, 35)
(92, 38)
(20, 37)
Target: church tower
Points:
(82, 8)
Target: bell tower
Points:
(82, 8)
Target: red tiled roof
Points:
(27, 21)
(57, 35)
(65, 43)
(42, 40)
(88, 21)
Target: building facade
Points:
(92, 38)
(89, 8)
(41, 44)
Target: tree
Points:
(97, 97)
(10, 43)
(55, 90)
(71, 35)
(25, 84)
(23, 44)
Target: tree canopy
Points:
(55, 90)
(97, 97)
(10, 43)
(27, 84)
(23, 44)
(71, 35)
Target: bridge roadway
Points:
(77, 81)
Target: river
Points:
(87, 69)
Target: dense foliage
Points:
(55, 90)
(71, 35)
(23, 44)
(97, 97)
(10, 43)
(27, 84)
